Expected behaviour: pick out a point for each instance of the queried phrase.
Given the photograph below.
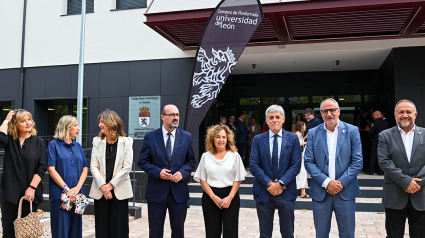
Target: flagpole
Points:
(81, 72)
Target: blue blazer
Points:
(262, 168)
(153, 158)
(348, 161)
(241, 131)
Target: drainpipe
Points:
(21, 75)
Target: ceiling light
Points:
(341, 99)
(6, 109)
(51, 109)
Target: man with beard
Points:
(333, 157)
(401, 155)
(167, 157)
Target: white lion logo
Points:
(213, 72)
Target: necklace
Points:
(23, 140)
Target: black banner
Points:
(226, 34)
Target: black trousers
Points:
(218, 221)
(395, 221)
(374, 159)
(9, 213)
(247, 156)
(111, 217)
(241, 149)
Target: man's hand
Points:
(334, 187)
(413, 186)
(274, 188)
(176, 177)
(165, 174)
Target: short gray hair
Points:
(327, 100)
(275, 108)
(222, 117)
(404, 100)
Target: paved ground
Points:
(368, 224)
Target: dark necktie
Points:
(168, 145)
(275, 157)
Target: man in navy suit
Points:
(167, 157)
(333, 157)
(275, 162)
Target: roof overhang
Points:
(303, 22)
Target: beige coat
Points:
(122, 168)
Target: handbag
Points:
(81, 202)
(29, 226)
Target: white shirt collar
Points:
(164, 132)
(271, 133)
(336, 128)
(401, 130)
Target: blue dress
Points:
(69, 161)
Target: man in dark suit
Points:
(401, 155)
(242, 132)
(253, 130)
(231, 124)
(167, 157)
(313, 121)
(223, 120)
(378, 125)
(275, 162)
(333, 157)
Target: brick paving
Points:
(368, 224)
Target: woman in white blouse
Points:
(220, 173)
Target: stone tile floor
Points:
(368, 224)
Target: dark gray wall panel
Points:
(58, 82)
(176, 75)
(117, 104)
(114, 79)
(409, 66)
(145, 78)
(34, 82)
(93, 110)
(91, 80)
(9, 77)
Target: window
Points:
(250, 101)
(349, 98)
(319, 99)
(269, 100)
(298, 100)
(74, 7)
(129, 4)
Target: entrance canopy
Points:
(297, 22)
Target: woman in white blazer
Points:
(111, 160)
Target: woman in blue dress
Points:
(67, 166)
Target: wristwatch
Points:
(281, 184)
(33, 187)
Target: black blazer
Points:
(20, 165)
(378, 126)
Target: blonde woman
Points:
(24, 164)
(111, 160)
(67, 166)
(220, 173)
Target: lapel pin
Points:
(419, 133)
(343, 131)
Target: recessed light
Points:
(6, 109)
(51, 109)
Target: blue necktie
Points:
(275, 157)
(168, 145)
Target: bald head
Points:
(376, 115)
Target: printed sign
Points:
(144, 115)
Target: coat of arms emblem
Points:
(144, 116)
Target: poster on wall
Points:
(144, 115)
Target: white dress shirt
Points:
(220, 173)
(331, 139)
(172, 137)
(408, 140)
(279, 143)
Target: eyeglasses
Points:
(231, 118)
(332, 110)
(172, 115)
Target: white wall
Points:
(10, 33)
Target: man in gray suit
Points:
(401, 155)
(253, 130)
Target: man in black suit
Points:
(378, 125)
(231, 124)
(401, 154)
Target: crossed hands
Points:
(275, 188)
(106, 190)
(334, 187)
(222, 203)
(165, 174)
(413, 186)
